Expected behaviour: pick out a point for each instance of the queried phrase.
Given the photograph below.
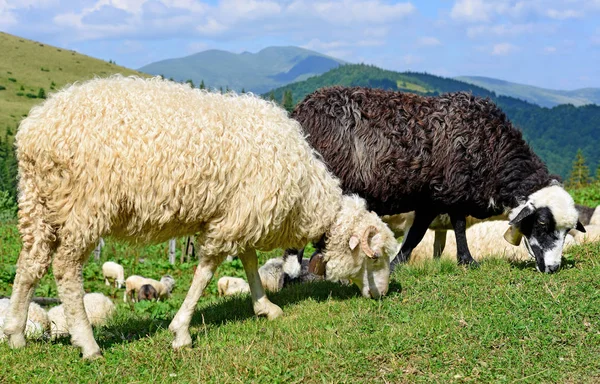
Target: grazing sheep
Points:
(455, 154)
(277, 272)
(591, 235)
(229, 286)
(37, 319)
(134, 283)
(98, 308)
(115, 272)
(147, 160)
(595, 219)
(147, 292)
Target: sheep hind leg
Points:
(262, 305)
(439, 243)
(180, 325)
(33, 263)
(463, 254)
(413, 236)
(68, 272)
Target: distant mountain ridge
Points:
(255, 72)
(541, 96)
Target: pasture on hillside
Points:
(441, 323)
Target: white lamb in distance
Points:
(115, 272)
(134, 283)
(37, 319)
(98, 308)
(147, 160)
(229, 286)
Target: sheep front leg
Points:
(262, 305)
(68, 272)
(180, 325)
(463, 254)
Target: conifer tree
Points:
(272, 95)
(580, 173)
(202, 86)
(288, 101)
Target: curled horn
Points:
(364, 242)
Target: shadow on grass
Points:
(530, 264)
(236, 308)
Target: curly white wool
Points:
(37, 319)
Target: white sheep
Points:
(592, 233)
(147, 160)
(37, 319)
(98, 308)
(595, 219)
(115, 272)
(228, 286)
(134, 283)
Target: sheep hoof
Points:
(96, 355)
(182, 341)
(268, 309)
(17, 340)
(471, 263)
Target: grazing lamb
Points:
(98, 308)
(229, 286)
(147, 160)
(115, 272)
(455, 154)
(147, 292)
(37, 319)
(134, 283)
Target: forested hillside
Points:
(554, 133)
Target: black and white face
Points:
(544, 220)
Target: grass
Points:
(440, 323)
(26, 66)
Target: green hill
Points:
(255, 72)
(540, 96)
(26, 66)
(554, 133)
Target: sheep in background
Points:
(147, 160)
(134, 283)
(456, 154)
(147, 292)
(229, 286)
(98, 308)
(37, 319)
(591, 235)
(115, 272)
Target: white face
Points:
(544, 220)
(373, 277)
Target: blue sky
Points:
(547, 43)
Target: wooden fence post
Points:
(172, 247)
(98, 250)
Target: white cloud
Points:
(501, 30)
(563, 14)
(428, 41)
(549, 50)
(503, 49)
(471, 10)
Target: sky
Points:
(546, 43)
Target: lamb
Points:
(98, 308)
(134, 283)
(37, 319)
(229, 286)
(115, 272)
(147, 292)
(456, 154)
(147, 160)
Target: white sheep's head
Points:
(168, 281)
(544, 221)
(360, 249)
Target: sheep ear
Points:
(513, 235)
(527, 210)
(354, 240)
(580, 227)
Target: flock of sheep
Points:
(146, 160)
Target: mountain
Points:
(256, 72)
(28, 66)
(554, 133)
(540, 96)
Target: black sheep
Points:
(455, 154)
